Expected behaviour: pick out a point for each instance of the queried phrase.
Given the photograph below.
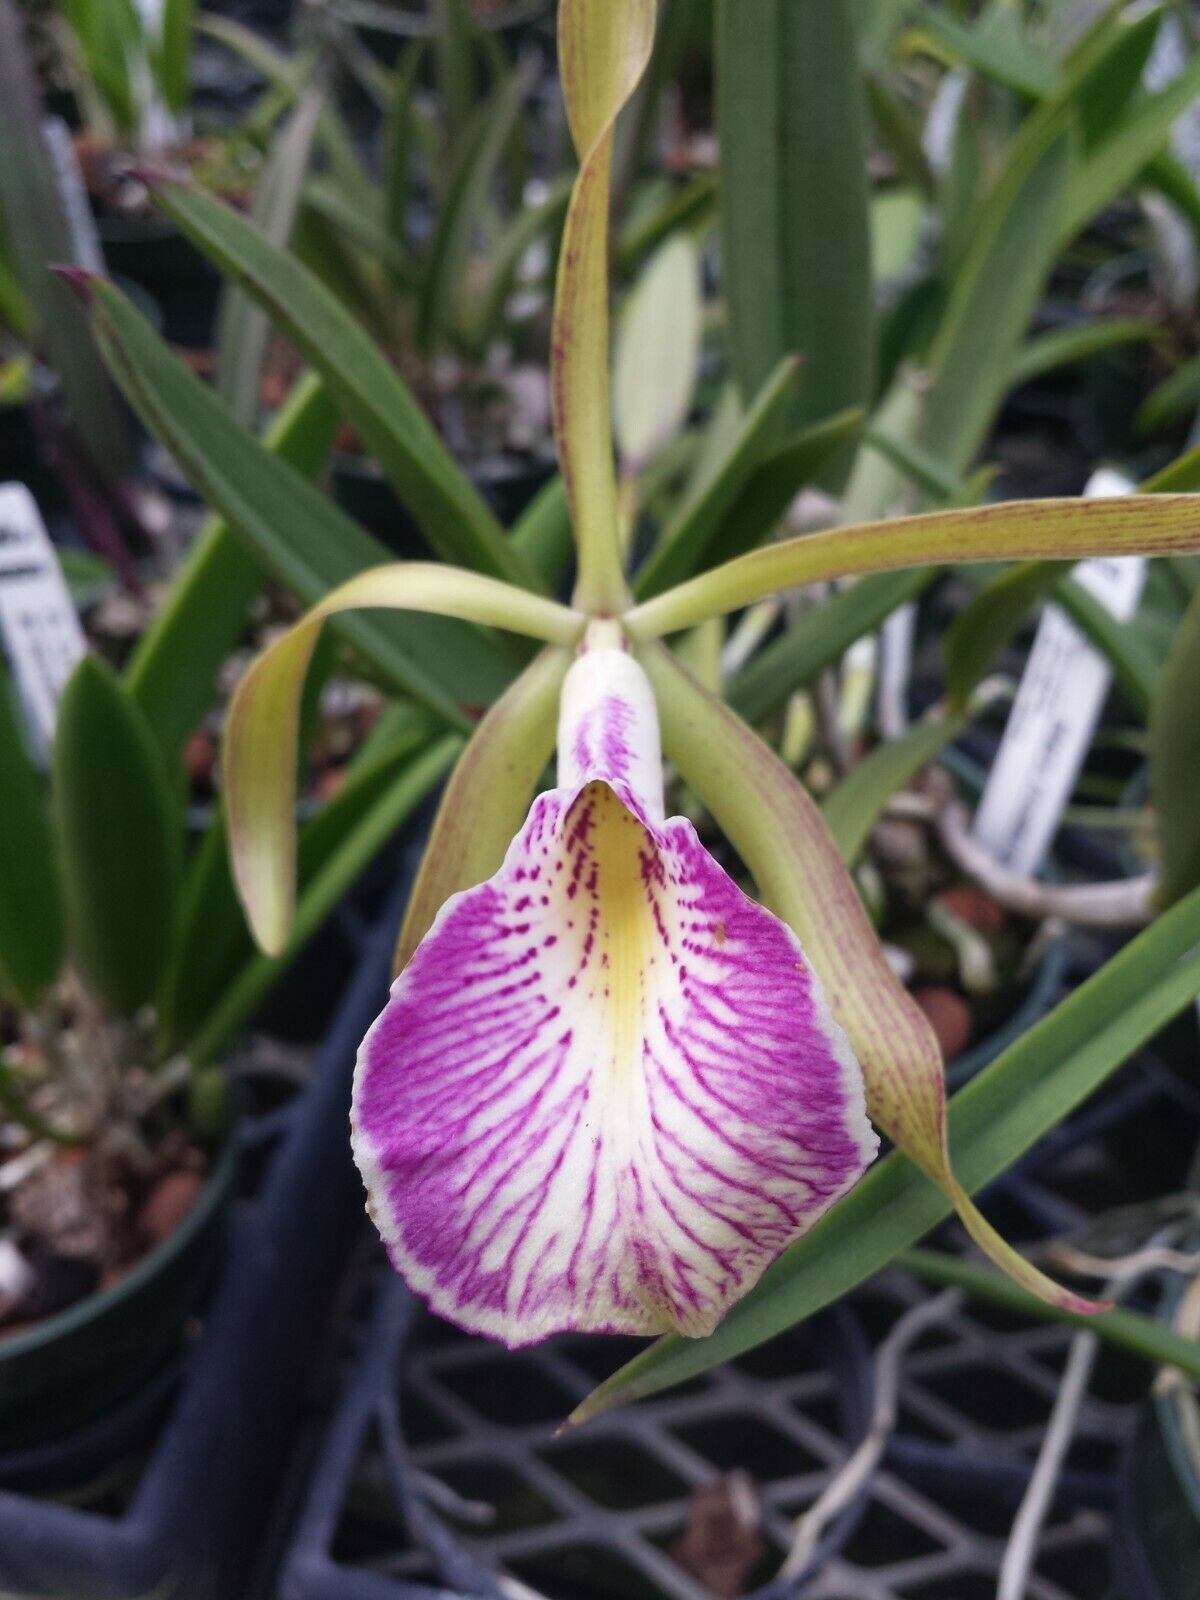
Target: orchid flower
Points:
(608, 1087)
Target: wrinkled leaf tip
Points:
(267, 904)
(595, 1405)
(154, 177)
(271, 933)
(79, 280)
(1080, 1305)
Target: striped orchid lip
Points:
(607, 1090)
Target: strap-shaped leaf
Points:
(1053, 530)
(1175, 759)
(481, 322)
(299, 537)
(997, 45)
(995, 294)
(173, 58)
(604, 47)
(772, 823)
(213, 943)
(262, 730)
(32, 930)
(486, 140)
(286, 74)
(802, 652)
(371, 392)
(36, 232)
(243, 328)
(857, 803)
(1000, 1115)
(1065, 347)
(989, 620)
(687, 537)
(173, 671)
(487, 796)
(775, 483)
(342, 864)
(794, 195)
(119, 834)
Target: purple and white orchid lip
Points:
(607, 1089)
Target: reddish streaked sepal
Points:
(777, 830)
(607, 1090)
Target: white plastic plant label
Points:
(1058, 704)
(39, 628)
(68, 179)
(897, 639)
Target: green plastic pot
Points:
(76, 1366)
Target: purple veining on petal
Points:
(608, 731)
(607, 1090)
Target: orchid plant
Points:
(608, 1088)
(131, 61)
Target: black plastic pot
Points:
(22, 458)
(1157, 1553)
(60, 1375)
(591, 1516)
(202, 1485)
(152, 253)
(508, 484)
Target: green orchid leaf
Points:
(242, 327)
(1175, 760)
(856, 804)
(1135, 670)
(1067, 347)
(689, 205)
(365, 386)
(397, 141)
(294, 532)
(287, 74)
(798, 656)
(542, 533)
(1132, 1331)
(173, 58)
(36, 232)
(1000, 1115)
(214, 945)
(989, 621)
(172, 674)
(356, 848)
(687, 538)
(1174, 397)
(120, 837)
(1012, 249)
(458, 215)
(796, 247)
(899, 134)
(1129, 144)
(996, 45)
(775, 482)
(32, 928)
(479, 329)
